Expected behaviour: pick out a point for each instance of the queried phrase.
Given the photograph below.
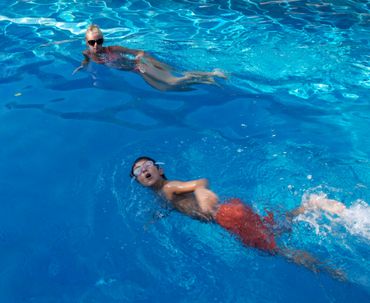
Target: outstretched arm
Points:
(84, 62)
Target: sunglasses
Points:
(98, 41)
(138, 170)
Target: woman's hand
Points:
(78, 69)
(139, 55)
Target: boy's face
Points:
(147, 173)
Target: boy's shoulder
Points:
(169, 184)
(170, 188)
(172, 183)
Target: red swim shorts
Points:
(241, 220)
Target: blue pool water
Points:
(292, 119)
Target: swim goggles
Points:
(98, 41)
(138, 170)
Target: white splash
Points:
(355, 218)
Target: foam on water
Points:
(356, 219)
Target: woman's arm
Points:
(84, 62)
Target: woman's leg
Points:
(215, 73)
(162, 78)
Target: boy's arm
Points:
(84, 62)
(179, 187)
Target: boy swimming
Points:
(157, 74)
(193, 198)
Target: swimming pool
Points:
(292, 119)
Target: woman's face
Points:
(94, 41)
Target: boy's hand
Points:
(207, 200)
(202, 183)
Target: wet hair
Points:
(147, 159)
(93, 28)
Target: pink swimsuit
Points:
(113, 59)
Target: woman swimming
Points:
(155, 73)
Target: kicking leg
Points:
(215, 73)
(321, 202)
(160, 75)
(303, 258)
(165, 81)
(195, 77)
(318, 202)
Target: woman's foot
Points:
(218, 73)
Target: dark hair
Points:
(147, 159)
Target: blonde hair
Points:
(93, 28)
